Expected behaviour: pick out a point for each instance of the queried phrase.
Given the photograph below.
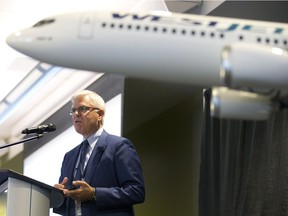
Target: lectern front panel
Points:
(26, 199)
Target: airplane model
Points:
(245, 61)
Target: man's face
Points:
(87, 120)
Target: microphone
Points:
(40, 129)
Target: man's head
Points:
(88, 110)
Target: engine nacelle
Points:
(250, 65)
(233, 104)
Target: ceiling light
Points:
(37, 77)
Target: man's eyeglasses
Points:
(81, 110)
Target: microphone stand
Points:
(38, 136)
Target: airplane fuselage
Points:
(171, 47)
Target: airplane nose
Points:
(18, 41)
(13, 39)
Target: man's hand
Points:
(62, 185)
(82, 193)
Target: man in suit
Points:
(102, 176)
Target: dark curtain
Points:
(244, 166)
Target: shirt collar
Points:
(91, 139)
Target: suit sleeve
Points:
(130, 187)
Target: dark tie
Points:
(80, 173)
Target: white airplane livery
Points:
(248, 58)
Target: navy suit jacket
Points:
(115, 171)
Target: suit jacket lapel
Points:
(96, 156)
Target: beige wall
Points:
(15, 164)
(169, 148)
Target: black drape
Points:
(244, 166)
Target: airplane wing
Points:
(151, 5)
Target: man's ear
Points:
(101, 114)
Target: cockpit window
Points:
(44, 22)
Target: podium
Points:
(25, 196)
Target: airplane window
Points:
(44, 22)
(173, 31)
